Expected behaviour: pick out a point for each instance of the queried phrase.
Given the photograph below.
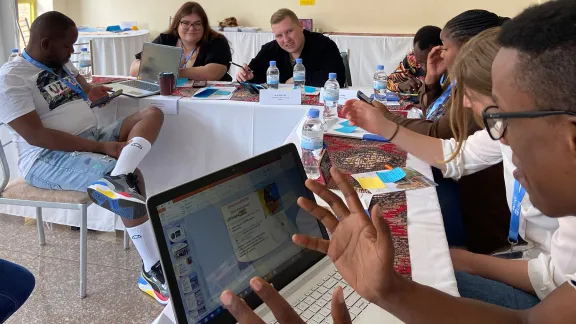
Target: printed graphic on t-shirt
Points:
(55, 91)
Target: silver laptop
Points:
(217, 232)
(155, 59)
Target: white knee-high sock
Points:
(131, 155)
(143, 238)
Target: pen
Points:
(240, 66)
(388, 167)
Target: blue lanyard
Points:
(439, 102)
(72, 84)
(189, 55)
(519, 193)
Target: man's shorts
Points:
(74, 170)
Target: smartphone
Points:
(206, 93)
(199, 84)
(104, 100)
(363, 97)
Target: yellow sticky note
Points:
(307, 2)
(371, 183)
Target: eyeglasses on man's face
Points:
(186, 25)
(496, 121)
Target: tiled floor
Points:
(113, 296)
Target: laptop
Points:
(219, 231)
(155, 59)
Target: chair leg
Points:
(83, 246)
(40, 226)
(126, 240)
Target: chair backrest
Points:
(4, 164)
(24, 29)
(346, 59)
(78, 50)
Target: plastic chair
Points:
(346, 59)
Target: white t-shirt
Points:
(25, 88)
(554, 254)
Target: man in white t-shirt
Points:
(45, 103)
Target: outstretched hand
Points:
(369, 117)
(360, 247)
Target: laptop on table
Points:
(219, 231)
(155, 59)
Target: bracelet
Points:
(395, 132)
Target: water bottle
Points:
(331, 95)
(299, 75)
(13, 55)
(85, 63)
(380, 84)
(273, 76)
(312, 143)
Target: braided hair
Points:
(471, 23)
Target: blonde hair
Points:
(282, 14)
(472, 70)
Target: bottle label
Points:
(379, 85)
(331, 96)
(84, 64)
(299, 77)
(311, 143)
(272, 79)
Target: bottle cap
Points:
(15, 50)
(331, 75)
(298, 61)
(84, 49)
(272, 63)
(380, 68)
(313, 113)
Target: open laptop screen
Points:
(220, 236)
(158, 58)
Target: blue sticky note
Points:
(181, 82)
(222, 93)
(346, 124)
(309, 89)
(346, 129)
(392, 175)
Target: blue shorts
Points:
(74, 170)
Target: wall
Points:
(372, 16)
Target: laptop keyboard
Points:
(314, 306)
(141, 85)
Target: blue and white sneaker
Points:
(154, 284)
(119, 194)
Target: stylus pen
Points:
(240, 66)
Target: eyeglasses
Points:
(196, 26)
(496, 124)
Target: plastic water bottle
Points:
(85, 63)
(312, 143)
(13, 55)
(331, 96)
(299, 75)
(380, 84)
(272, 76)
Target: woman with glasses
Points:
(550, 248)
(206, 54)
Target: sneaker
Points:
(153, 283)
(119, 195)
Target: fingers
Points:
(335, 203)
(238, 308)
(383, 234)
(352, 200)
(340, 314)
(283, 312)
(435, 51)
(311, 243)
(322, 214)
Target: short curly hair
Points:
(545, 38)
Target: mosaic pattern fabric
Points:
(356, 156)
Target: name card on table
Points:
(280, 97)
(345, 95)
(168, 104)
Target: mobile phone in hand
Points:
(363, 97)
(105, 99)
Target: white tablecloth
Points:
(113, 54)
(429, 253)
(365, 52)
(204, 137)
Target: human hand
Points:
(113, 149)
(98, 92)
(361, 249)
(283, 312)
(244, 74)
(435, 65)
(409, 85)
(369, 117)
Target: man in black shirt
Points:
(319, 54)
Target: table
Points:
(429, 253)
(366, 51)
(114, 53)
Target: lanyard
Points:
(519, 193)
(182, 55)
(72, 84)
(439, 102)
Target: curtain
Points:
(8, 28)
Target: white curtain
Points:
(8, 28)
